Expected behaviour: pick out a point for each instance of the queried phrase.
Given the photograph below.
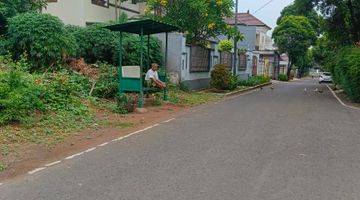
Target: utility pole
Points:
(235, 42)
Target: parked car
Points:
(325, 77)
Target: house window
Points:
(199, 59)
(104, 3)
(242, 62)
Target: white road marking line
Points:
(169, 120)
(340, 101)
(136, 132)
(103, 144)
(53, 163)
(1, 184)
(36, 170)
(91, 149)
(73, 156)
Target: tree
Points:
(198, 19)
(10, 8)
(302, 8)
(294, 35)
(341, 18)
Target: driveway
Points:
(276, 144)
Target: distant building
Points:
(85, 12)
(258, 55)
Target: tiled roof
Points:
(246, 19)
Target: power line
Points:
(263, 6)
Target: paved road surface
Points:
(268, 145)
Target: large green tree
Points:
(294, 35)
(198, 19)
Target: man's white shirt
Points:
(151, 74)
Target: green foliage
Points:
(125, 103)
(206, 17)
(254, 81)
(107, 84)
(345, 68)
(226, 45)
(294, 35)
(222, 79)
(20, 96)
(62, 93)
(97, 44)
(41, 37)
(10, 8)
(283, 77)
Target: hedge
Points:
(345, 68)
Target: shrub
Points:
(97, 44)
(20, 96)
(346, 71)
(41, 36)
(254, 80)
(222, 79)
(283, 77)
(107, 84)
(62, 93)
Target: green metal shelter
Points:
(146, 27)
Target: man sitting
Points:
(152, 77)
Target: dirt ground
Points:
(30, 156)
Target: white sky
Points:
(268, 14)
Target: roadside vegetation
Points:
(324, 33)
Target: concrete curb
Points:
(340, 101)
(246, 89)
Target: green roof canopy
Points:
(149, 27)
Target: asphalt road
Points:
(281, 144)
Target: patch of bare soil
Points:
(31, 156)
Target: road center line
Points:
(53, 163)
(36, 170)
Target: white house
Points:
(84, 12)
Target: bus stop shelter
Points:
(131, 77)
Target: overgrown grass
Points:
(190, 98)
(46, 130)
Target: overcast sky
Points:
(268, 14)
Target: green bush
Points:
(20, 96)
(62, 93)
(98, 44)
(41, 36)
(107, 84)
(254, 80)
(226, 45)
(283, 77)
(222, 79)
(345, 69)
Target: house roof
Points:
(149, 26)
(246, 19)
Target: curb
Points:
(340, 101)
(246, 89)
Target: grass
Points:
(2, 167)
(190, 98)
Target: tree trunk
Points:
(289, 69)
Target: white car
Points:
(325, 77)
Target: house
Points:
(284, 64)
(188, 64)
(257, 55)
(85, 12)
